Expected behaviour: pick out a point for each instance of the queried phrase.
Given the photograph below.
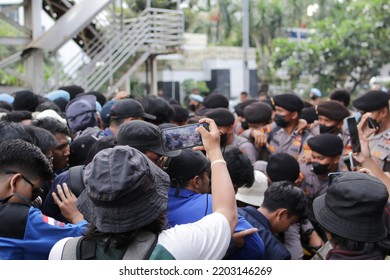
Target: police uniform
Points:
(246, 147)
(335, 111)
(258, 113)
(380, 149)
(379, 143)
(224, 118)
(281, 142)
(293, 144)
(261, 153)
(313, 185)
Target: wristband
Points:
(217, 161)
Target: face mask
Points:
(327, 129)
(319, 169)
(223, 139)
(244, 125)
(281, 121)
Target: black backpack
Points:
(76, 182)
(139, 249)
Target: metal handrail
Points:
(156, 29)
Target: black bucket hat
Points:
(124, 190)
(353, 207)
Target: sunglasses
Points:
(35, 187)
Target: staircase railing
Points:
(154, 30)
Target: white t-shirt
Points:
(206, 239)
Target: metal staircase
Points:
(153, 32)
(110, 43)
(57, 8)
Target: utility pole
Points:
(245, 42)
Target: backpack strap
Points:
(76, 182)
(141, 247)
(71, 248)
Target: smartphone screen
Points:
(181, 137)
(353, 134)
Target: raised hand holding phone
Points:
(182, 137)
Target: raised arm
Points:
(364, 157)
(224, 201)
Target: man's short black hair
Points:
(17, 116)
(6, 105)
(284, 194)
(52, 125)
(48, 105)
(341, 95)
(42, 138)
(12, 130)
(21, 156)
(239, 166)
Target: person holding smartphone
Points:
(377, 125)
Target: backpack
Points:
(139, 249)
(76, 182)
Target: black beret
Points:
(258, 112)
(270, 101)
(216, 100)
(309, 114)
(180, 114)
(333, 110)
(239, 108)
(289, 102)
(326, 144)
(282, 167)
(221, 116)
(372, 100)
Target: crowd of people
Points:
(276, 178)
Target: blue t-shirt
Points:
(189, 207)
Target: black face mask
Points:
(327, 129)
(281, 121)
(223, 139)
(244, 125)
(319, 169)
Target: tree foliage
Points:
(345, 49)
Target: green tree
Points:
(344, 49)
